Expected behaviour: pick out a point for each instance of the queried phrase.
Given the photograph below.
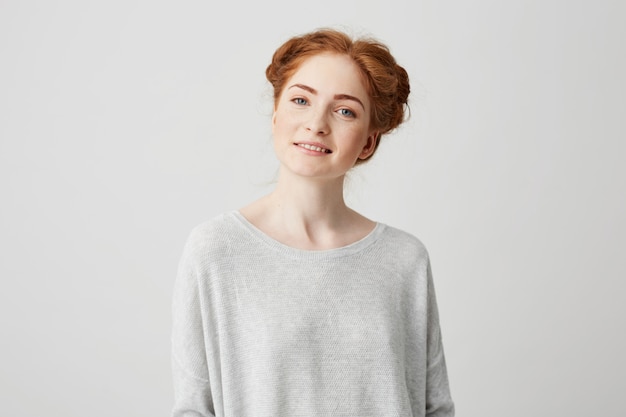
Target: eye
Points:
(346, 112)
(300, 101)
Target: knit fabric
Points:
(261, 329)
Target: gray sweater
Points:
(261, 329)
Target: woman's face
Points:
(321, 121)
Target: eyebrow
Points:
(336, 97)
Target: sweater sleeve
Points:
(192, 389)
(438, 399)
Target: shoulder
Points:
(212, 236)
(401, 252)
(212, 227)
(403, 243)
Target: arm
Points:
(192, 389)
(438, 400)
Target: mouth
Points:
(315, 148)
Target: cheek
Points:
(355, 136)
(282, 122)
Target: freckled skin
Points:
(325, 104)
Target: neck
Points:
(312, 201)
(308, 213)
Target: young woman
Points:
(297, 305)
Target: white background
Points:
(125, 123)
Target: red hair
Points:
(386, 82)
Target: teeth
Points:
(313, 148)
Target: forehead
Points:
(330, 74)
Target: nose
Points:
(318, 123)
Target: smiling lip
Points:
(315, 147)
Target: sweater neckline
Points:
(341, 251)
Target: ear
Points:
(273, 121)
(370, 145)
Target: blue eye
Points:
(346, 112)
(300, 101)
